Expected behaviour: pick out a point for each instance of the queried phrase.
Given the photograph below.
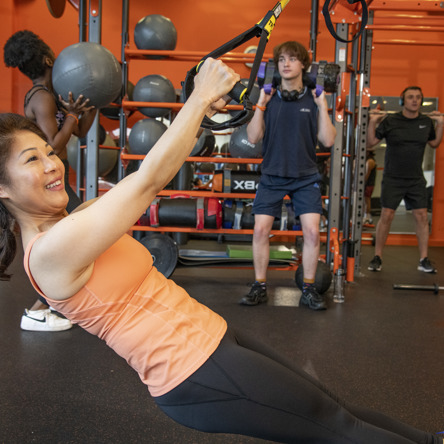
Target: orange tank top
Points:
(163, 333)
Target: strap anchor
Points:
(240, 93)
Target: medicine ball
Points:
(154, 88)
(323, 277)
(107, 157)
(144, 135)
(205, 144)
(112, 111)
(155, 32)
(205, 167)
(89, 69)
(241, 147)
(102, 136)
(224, 149)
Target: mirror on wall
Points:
(403, 222)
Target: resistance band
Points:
(329, 24)
(240, 93)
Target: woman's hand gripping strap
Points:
(240, 93)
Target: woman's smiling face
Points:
(36, 176)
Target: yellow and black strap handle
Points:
(240, 93)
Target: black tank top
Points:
(61, 111)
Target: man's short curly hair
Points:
(294, 49)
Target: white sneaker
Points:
(43, 320)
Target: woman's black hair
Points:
(10, 124)
(26, 51)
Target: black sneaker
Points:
(426, 266)
(313, 299)
(256, 296)
(375, 264)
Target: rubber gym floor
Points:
(382, 348)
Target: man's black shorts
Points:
(304, 192)
(413, 191)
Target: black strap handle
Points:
(329, 24)
(240, 93)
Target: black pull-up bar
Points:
(435, 287)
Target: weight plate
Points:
(164, 251)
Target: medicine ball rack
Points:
(333, 237)
(343, 240)
(345, 156)
(349, 109)
(341, 246)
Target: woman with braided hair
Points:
(200, 372)
(59, 120)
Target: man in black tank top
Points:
(406, 134)
(290, 120)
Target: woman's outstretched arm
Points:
(88, 233)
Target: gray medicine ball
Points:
(241, 147)
(205, 144)
(154, 88)
(89, 69)
(107, 157)
(155, 32)
(144, 135)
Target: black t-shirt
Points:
(289, 146)
(406, 141)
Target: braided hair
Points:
(8, 242)
(10, 125)
(26, 51)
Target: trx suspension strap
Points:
(239, 93)
(329, 24)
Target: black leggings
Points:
(246, 389)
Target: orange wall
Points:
(203, 26)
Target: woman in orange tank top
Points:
(59, 120)
(200, 373)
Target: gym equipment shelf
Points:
(174, 55)
(333, 236)
(189, 56)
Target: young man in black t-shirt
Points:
(406, 134)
